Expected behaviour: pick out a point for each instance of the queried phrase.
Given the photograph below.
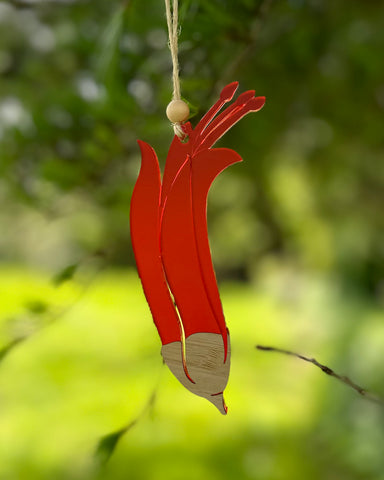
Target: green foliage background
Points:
(296, 232)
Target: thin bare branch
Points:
(342, 378)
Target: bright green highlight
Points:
(92, 371)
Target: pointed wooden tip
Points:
(218, 402)
(204, 362)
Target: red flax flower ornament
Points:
(170, 241)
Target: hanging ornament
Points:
(168, 221)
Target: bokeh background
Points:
(296, 232)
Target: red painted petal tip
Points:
(144, 147)
(245, 97)
(256, 104)
(261, 100)
(228, 91)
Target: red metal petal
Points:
(226, 95)
(177, 155)
(205, 168)
(145, 234)
(181, 259)
(218, 128)
(201, 133)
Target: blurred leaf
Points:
(107, 444)
(37, 307)
(4, 351)
(218, 12)
(184, 8)
(65, 274)
(109, 43)
(193, 109)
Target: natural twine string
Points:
(173, 33)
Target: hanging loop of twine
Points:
(173, 33)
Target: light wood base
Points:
(205, 366)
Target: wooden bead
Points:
(177, 111)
